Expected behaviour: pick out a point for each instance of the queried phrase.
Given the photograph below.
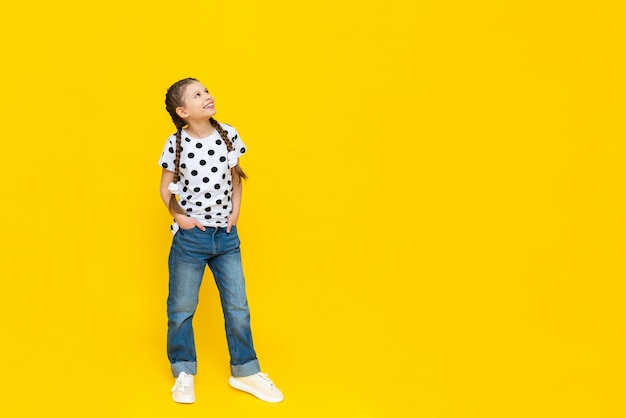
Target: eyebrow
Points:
(200, 91)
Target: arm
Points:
(236, 201)
(182, 220)
(166, 178)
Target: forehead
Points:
(193, 88)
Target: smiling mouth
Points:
(208, 106)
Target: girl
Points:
(201, 186)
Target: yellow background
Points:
(433, 226)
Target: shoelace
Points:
(265, 379)
(183, 381)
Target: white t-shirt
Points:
(205, 179)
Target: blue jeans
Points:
(192, 250)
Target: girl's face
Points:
(198, 103)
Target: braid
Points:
(179, 149)
(220, 130)
(237, 172)
(173, 99)
(174, 206)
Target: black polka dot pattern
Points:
(205, 176)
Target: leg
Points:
(186, 268)
(228, 272)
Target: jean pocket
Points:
(186, 231)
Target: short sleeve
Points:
(168, 155)
(238, 146)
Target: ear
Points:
(180, 111)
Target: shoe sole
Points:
(184, 400)
(245, 388)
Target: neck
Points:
(200, 130)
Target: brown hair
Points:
(173, 99)
(236, 171)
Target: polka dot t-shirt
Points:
(205, 179)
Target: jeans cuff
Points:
(188, 367)
(243, 370)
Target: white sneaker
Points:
(258, 385)
(183, 391)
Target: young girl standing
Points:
(201, 186)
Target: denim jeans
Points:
(192, 250)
